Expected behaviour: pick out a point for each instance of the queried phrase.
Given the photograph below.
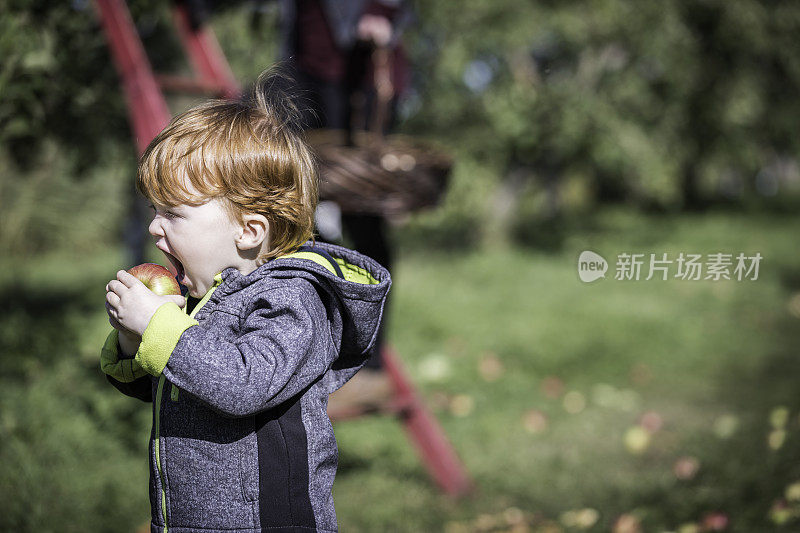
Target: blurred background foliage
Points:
(555, 112)
(670, 105)
(551, 107)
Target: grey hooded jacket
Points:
(241, 440)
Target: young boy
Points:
(241, 440)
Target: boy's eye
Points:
(166, 214)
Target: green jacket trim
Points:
(351, 272)
(311, 256)
(164, 331)
(123, 370)
(355, 273)
(161, 336)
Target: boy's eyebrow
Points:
(159, 207)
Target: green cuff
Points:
(161, 336)
(123, 370)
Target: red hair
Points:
(250, 153)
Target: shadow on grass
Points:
(549, 235)
(790, 278)
(351, 464)
(453, 234)
(36, 326)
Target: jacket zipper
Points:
(159, 393)
(157, 428)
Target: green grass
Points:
(689, 351)
(74, 450)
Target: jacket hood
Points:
(358, 297)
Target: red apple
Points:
(156, 278)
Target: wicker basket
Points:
(379, 175)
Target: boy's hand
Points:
(131, 305)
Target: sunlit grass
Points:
(541, 382)
(691, 352)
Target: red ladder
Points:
(149, 114)
(147, 107)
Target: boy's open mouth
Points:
(177, 267)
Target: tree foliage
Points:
(666, 103)
(56, 81)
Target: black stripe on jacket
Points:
(284, 499)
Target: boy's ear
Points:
(253, 231)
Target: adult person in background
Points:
(328, 45)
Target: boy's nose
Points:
(155, 228)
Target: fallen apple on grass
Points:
(156, 278)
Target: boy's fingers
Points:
(127, 279)
(114, 286)
(112, 299)
(114, 323)
(179, 300)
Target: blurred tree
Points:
(55, 80)
(65, 139)
(665, 104)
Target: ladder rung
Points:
(399, 406)
(185, 84)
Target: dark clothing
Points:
(342, 17)
(331, 66)
(316, 51)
